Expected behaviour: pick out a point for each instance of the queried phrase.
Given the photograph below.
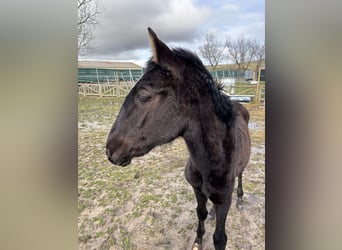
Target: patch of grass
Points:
(112, 241)
(84, 238)
(120, 195)
(125, 240)
(172, 198)
(191, 226)
(147, 198)
(100, 221)
(100, 234)
(81, 206)
(137, 212)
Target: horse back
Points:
(242, 111)
(243, 141)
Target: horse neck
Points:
(205, 138)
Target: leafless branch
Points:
(242, 51)
(212, 50)
(88, 13)
(259, 55)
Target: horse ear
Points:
(159, 49)
(163, 56)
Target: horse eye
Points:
(167, 73)
(143, 97)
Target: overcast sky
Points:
(122, 32)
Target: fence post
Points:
(100, 89)
(257, 92)
(229, 89)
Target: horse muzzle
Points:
(118, 153)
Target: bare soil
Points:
(149, 204)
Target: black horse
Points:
(177, 97)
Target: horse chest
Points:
(206, 181)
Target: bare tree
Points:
(212, 49)
(88, 12)
(259, 56)
(241, 51)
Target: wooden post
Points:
(229, 89)
(100, 89)
(257, 92)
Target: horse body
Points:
(216, 153)
(177, 97)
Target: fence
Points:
(255, 92)
(103, 90)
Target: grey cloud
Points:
(124, 24)
(122, 33)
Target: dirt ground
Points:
(149, 204)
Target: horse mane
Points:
(224, 107)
